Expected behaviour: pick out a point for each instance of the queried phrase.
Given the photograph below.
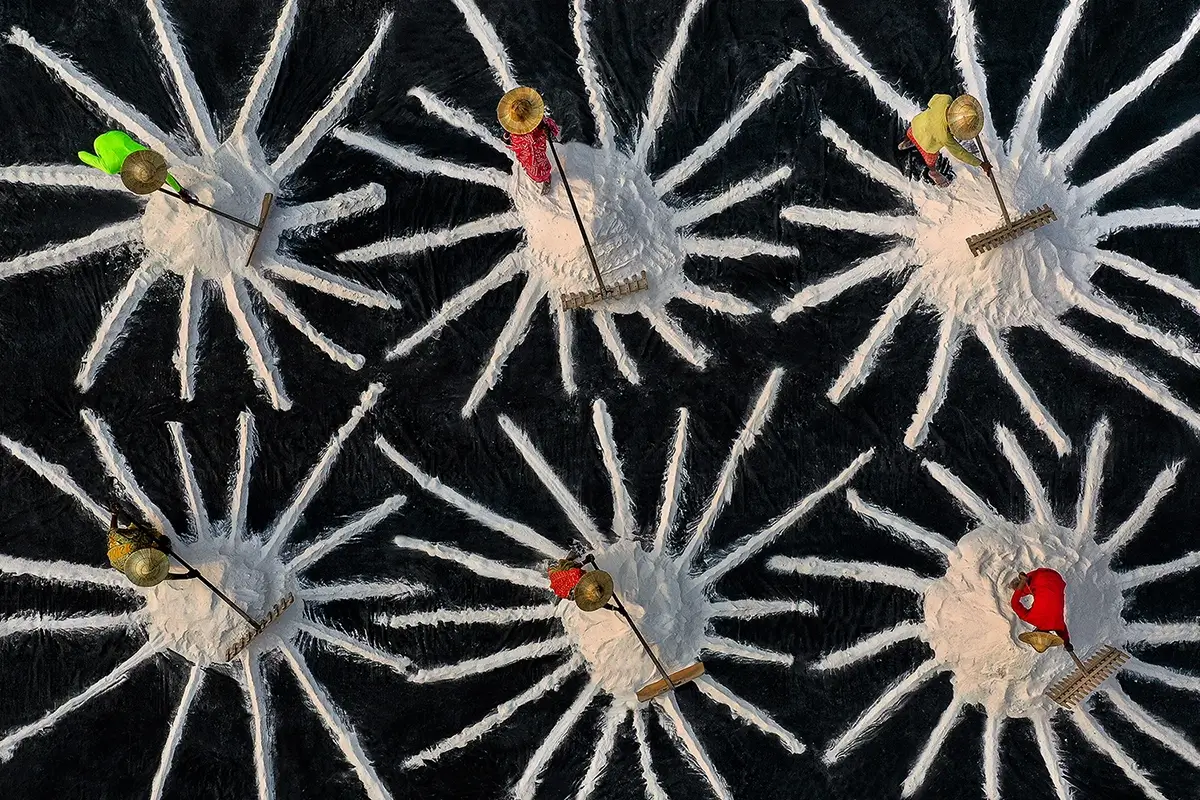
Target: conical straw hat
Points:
(147, 567)
(1041, 640)
(594, 589)
(521, 110)
(144, 171)
(965, 117)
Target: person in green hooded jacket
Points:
(112, 148)
(942, 125)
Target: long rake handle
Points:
(218, 212)
(216, 591)
(587, 245)
(995, 186)
(645, 645)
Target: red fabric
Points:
(1049, 609)
(530, 149)
(563, 581)
(930, 158)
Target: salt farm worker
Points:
(564, 576)
(124, 542)
(1048, 611)
(943, 124)
(526, 123)
(112, 148)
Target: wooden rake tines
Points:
(1080, 683)
(1031, 221)
(275, 613)
(623, 288)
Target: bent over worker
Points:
(1048, 611)
(942, 125)
(112, 148)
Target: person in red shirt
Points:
(526, 122)
(564, 576)
(530, 150)
(1047, 613)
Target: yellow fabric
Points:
(930, 130)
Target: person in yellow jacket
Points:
(943, 124)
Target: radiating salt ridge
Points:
(968, 624)
(184, 617)
(631, 223)
(669, 583)
(171, 237)
(1031, 282)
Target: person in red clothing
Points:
(565, 576)
(1048, 611)
(526, 125)
(530, 150)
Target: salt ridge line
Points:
(13, 739)
(175, 734)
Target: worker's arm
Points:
(174, 184)
(1020, 610)
(959, 152)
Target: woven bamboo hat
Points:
(594, 589)
(144, 171)
(1041, 640)
(521, 110)
(965, 117)
(147, 567)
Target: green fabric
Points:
(112, 148)
(932, 132)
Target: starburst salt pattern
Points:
(667, 579)
(972, 631)
(1030, 282)
(627, 212)
(255, 568)
(206, 251)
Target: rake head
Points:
(267, 201)
(624, 288)
(272, 615)
(1020, 226)
(685, 675)
(1079, 683)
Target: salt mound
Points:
(1010, 285)
(973, 629)
(630, 228)
(188, 618)
(180, 237)
(667, 605)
